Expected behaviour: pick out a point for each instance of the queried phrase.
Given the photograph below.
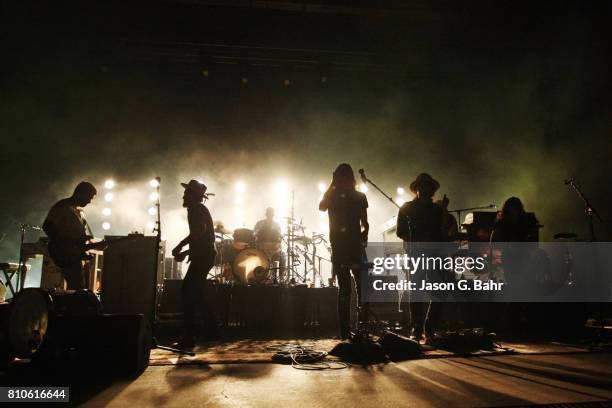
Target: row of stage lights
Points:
(281, 188)
(109, 196)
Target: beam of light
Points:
(106, 226)
(241, 187)
(322, 187)
(363, 188)
(401, 191)
(109, 184)
(152, 211)
(108, 197)
(239, 199)
(400, 200)
(106, 212)
(153, 196)
(154, 183)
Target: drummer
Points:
(268, 238)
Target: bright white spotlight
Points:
(106, 226)
(108, 197)
(241, 187)
(323, 226)
(106, 212)
(281, 187)
(363, 188)
(401, 191)
(153, 196)
(150, 225)
(152, 211)
(109, 184)
(322, 187)
(154, 183)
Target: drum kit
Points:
(244, 259)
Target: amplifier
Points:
(132, 275)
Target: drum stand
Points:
(154, 322)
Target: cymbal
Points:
(303, 239)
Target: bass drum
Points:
(251, 266)
(24, 322)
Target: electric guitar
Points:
(66, 253)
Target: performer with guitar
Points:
(69, 234)
(201, 252)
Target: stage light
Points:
(323, 226)
(150, 225)
(106, 226)
(322, 187)
(281, 187)
(152, 211)
(154, 183)
(363, 188)
(109, 184)
(106, 212)
(153, 196)
(108, 197)
(400, 190)
(241, 187)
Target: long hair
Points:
(511, 206)
(344, 177)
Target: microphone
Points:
(363, 176)
(569, 180)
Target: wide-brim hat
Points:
(424, 180)
(196, 187)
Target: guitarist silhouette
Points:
(69, 234)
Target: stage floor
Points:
(240, 373)
(437, 382)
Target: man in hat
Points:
(348, 230)
(68, 234)
(201, 252)
(421, 220)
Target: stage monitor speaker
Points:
(132, 275)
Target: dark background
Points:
(494, 98)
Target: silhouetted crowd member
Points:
(421, 220)
(68, 232)
(348, 229)
(201, 252)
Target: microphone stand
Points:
(367, 180)
(21, 276)
(590, 211)
(588, 208)
(155, 322)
